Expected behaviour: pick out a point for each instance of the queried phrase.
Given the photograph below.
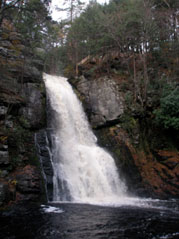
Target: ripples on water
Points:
(156, 220)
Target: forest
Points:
(144, 32)
(89, 113)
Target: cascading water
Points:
(83, 172)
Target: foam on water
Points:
(169, 236)
(51, 209)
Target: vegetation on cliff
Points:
(22, 98)
(130, 49)
(122, 58)
(135, 40)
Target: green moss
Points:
(15, 162)
(128, 123)
(117, 152)
(128, 98)
(24, 122)
(92, 71)
(18, 133)
(33, 159)
(79, 95)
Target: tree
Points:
(6, 5)
(33, 21)
(73, 8)
(167, 115)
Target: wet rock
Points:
(39, 64)
(3, 147)
(42, 143)
(31, 74)
(3, 110)
(3, 193)
(22, 148)
(3, 173)
(9, 124)
(12, 142)
(33, 113)
(6, 44)
(168, 158)
(7, 53)
(22, 110)
(115, 140)
(28, 182)
(10, 97)
(3, 51)
(170, 164)
(4, 158)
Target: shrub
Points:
(167, 115)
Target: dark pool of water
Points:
(77, 221)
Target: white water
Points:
(50, 209)
(83, 172)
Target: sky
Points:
(58, 16)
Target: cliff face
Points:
(22, 113)
(146, 155)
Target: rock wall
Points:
(22, 114)
(146, 156)
(103, 98)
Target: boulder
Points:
(6, 44)
(4, 158)
(103, 98)
(3, 110)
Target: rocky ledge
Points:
(22, 114)
(146, 156)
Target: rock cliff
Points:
(147, 156)
(22, 113)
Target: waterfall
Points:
(83, 172)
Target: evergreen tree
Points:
(6, 5)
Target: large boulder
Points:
(103, 98)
